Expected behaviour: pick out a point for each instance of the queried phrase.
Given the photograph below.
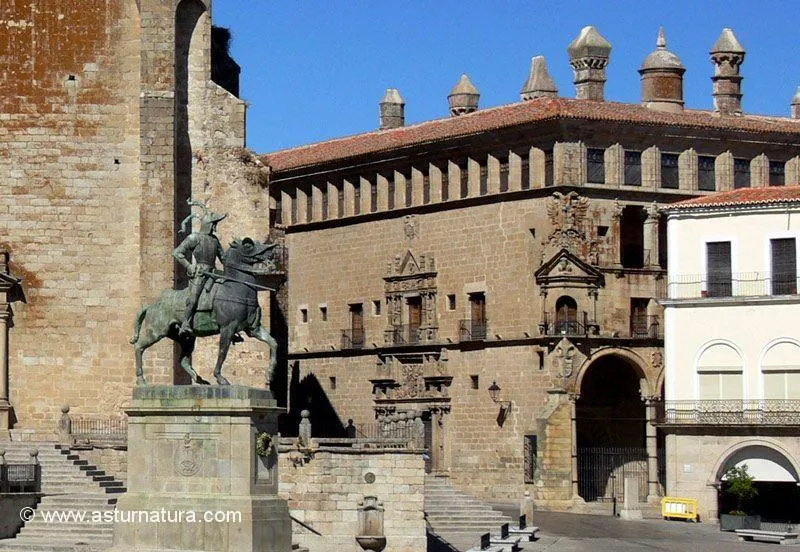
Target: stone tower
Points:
(392, 109)
(539, 84)
(727, 56)
(662, 78)
(463, 97)
(588, 56)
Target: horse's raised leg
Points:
(225, 335)
(187, 347)
(263, 335)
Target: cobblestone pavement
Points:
(561, 532)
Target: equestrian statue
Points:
(214, 303)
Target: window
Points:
(309, 205)
(633, 168)
(390, 179)
(719, 373)
(781, 371)
(602, 231)
(595, 166)
(477, 310)
(409, 188)
(784, 266)
(548, 168)
(414, 318)
(463, 170)
(706, 180)
(475, 381)
(333, 382)
(484, 179)
(669, 171)
(566, 316)
(741, 173)
(777, 173)
(525, 173)
(640, 326)
(445, 182)
(323, 313)
(504, 175)
(718, 269)
(632, 237)
(373, 197)
(356, 337)
(530, 454)
(340, 197)
(376, 307)
(451, 302)
(304, 316)
(324, 201)
(356, 199)
(426, 188)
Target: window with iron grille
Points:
(633, 168)
(525, 173)
(706, 180)
(504, 175)
(718, 266)
(741, 173)
(784, 266)
(548, 168)
(777, 173)
(669, 171)
(530, 447)
(596, 165)
(278, 211)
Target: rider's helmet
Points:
(209, 222)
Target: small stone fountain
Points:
(370, 525)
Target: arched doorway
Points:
(566, 315)
(775, 478)
(610, 420)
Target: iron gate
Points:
(602, 472)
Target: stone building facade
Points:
(109, 121)
(494, 274)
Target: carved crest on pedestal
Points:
(190, 457)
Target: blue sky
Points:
(313, 70)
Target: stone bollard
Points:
(526, 506)
(630, 504)
(65, 427)
(34, 454)
(304, 432)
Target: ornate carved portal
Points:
(411, 300)
(412, 390)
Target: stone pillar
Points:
(651, 168)
(651, 237)
(614, 159)
(492, 175)
(573, 400)
(792, 170)
(514, 172)
(316, 203)
(435, 182)
(652, 450)
(302, 206)
(687, 170)
(417, 183)
(365, 196)
(759, 171)
(383, 193)
(5, 405)
(569, 164)
(474, 177)
(286, 208)
(616, 235)
(399, 190)
(194, 449)
(453, 181)
(536, 169)
(349, 191)
(723, 172)
(333, 201)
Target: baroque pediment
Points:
(565, 268)
(409, 266)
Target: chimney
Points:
(463, 97)
(392, 109)
(539, 84)
(662, 78)
(588, 56)
(796, 104)
(727, 55)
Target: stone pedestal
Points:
(195, 480)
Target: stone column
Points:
(723, 172)
(474, 177)
(759, 171)
(616, 235)
(383, 193)
(349, 199)
(492, 175)
(792, 171)
(365, 196)
(333, 201)
(569, 164)
(5, 405)
(614, 159)
(514, 172)
(652, 450)
(453, 181)
(435, 182)
(651, 168)
(286, 209)
(536, 169)
(316, 203)
(417, 193)
(687, 170)
(573, 400)
(302, 206)
(651, 236)
(399, 190)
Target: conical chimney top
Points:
(463, 97)
(539, 84)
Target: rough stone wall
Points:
(324, 492)
(69, 145)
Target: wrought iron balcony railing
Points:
(402, 334)
(472, 330)
(20, 478)
(353, 338)
(88, 429)
(578, 326)
(646, 327)
(737, 284)
(730, 412)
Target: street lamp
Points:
(505, 406)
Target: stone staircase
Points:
(456, 517)
(69, 484)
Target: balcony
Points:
(580, 326)
(353, 338)
(739, 284)
(647, 327)
(730, 412)
(472, 330)
(402, 334)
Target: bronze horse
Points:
(235, 309)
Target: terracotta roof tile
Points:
(742, 196)
(540, 109)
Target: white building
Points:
(732, 347)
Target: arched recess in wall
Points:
(566, 315)
(190, 65)
(720, 372)
(780, 370)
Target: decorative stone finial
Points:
(539, 84)
(727, 56)
(392, 109)
(304, 431)
(463, 97)
(796, 104)
(588, 56)
(662, 78)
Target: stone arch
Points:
(729, 456)
(635, 360)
